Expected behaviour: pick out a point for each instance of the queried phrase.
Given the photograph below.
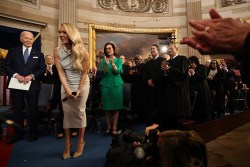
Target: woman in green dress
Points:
(111, 87)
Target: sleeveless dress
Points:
(73, 109)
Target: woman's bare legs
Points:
(115, 120)
(108, 120)
(80, 143)
(66, 152)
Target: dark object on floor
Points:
(121, 154)
(9, 122)
(14, 139)
(32, 138)
(124, 154)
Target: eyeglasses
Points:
(108, 48)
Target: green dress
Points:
(112, 86)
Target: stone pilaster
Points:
(67, 11)
(193, 13)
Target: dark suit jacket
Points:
(152, 70)
(14, 63)
(51, 79)
(55, 80)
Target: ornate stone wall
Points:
(227, 3)
(30, 3)
(145, 14)
(138, 6)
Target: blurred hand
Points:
(136, 144)
(191, 72)
(149, 128)
(165, 67)
(222, 35)
(106, 60)
(20, 78)
(27, 79)
(150, 83)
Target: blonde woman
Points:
(72, 62)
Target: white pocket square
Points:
(35, 57)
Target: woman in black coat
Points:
(202, 107)
(215, 79)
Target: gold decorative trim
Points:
(247, 20)
(133, 30)
(3, 53)
(93, 28)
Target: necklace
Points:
(67, 50)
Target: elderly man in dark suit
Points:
(25, 64)
(175, 100)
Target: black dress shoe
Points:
(32, 138)
(14, 139)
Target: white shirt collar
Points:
(156, 57)
(174, 56)
(26, 47)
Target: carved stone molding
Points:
(134, 5)
(107, 4)
(30, 3)
(138, 6)
(159, 6)
(227, 3)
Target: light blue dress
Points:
(73, 109)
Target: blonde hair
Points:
(182, 148)
(77, 48)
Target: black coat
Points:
(152, 70)
(203, 104)
(217, 84)
(175, 100)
